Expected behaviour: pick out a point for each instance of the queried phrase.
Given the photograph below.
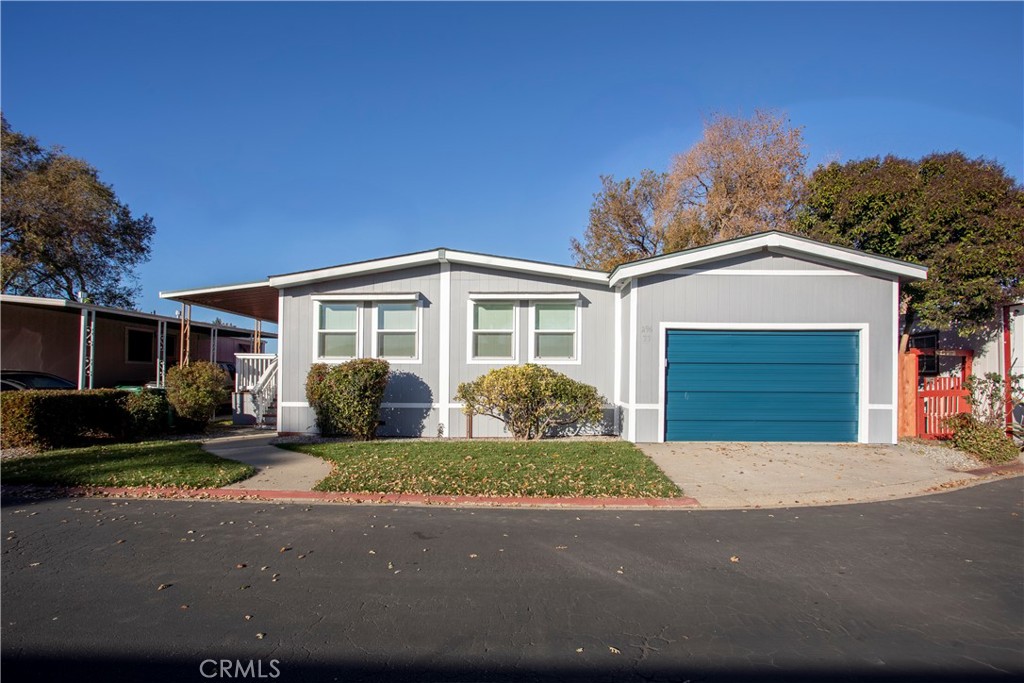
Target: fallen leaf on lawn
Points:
(614, 650)
(734, 558)
(473, 555)
(264, 568)
(119, 541)
(162, 586)
(579, 649)
(184, 607)
(372, 552)
(285, 549)
(301, 556)
(619, 571)
(240, 566)
(260, 636)
(390, 566)
(248, 617)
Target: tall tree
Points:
(628, 221)
(64, 231)
(963, 218)
(743, 176)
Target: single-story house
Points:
(769, 337)
(101, 346)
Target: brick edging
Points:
(358, 498)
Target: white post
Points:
(86, 349)
(161, 353)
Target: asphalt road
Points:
(920, 589)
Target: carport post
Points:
(161, 353)
(86, 349)
(213, 344)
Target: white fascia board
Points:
(524, 296)
(367, 296)
(38, 301)
(123, 312)
(777, 242)
(351, 269)
(518, 265)
(216, 289)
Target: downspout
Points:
(1007, 360)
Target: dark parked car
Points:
(16, 380)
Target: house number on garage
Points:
(646, 332)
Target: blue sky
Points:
(266, 138)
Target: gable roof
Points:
(260, 299)
(439, 255)
(774, 241)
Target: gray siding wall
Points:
(413, 405)
(416, 384)
(596, 332)
(836, 296)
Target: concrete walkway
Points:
(747, 475)
(277, 469)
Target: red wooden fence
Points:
(937, 399)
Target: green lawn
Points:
(498, 468)
(157, 463)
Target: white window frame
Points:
(577, 346)
(470, 330)
(318, 305)
(152, 352)
(375, 328)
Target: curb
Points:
(415, 499)
(1008, 468)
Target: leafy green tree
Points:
(628, 220)
(64, 230)
(963, 218)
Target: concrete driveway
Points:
(746, 475)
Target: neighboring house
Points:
(1002, 339)
(769, 337)
(120, 347)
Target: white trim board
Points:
(524, 296)
(368, 296)
(863, 360)
(771, 241)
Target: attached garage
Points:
(762, 385)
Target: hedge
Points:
(55, 419)
(346, 398)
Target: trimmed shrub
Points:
(148, 413)
(346, 398)
(981, 440)
(531, 399)
(195, 390)
(44, 420)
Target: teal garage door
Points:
(761, 386)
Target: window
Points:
(554, 331)
(138, 346)
(927, 362)
(494, 330)
(397, 327)
(337, 330)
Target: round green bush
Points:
(147, 413)
(346, 398)
(531, 399)
(195, 390)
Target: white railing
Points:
(249, 367)
(264, 392)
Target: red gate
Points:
(939, 398)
